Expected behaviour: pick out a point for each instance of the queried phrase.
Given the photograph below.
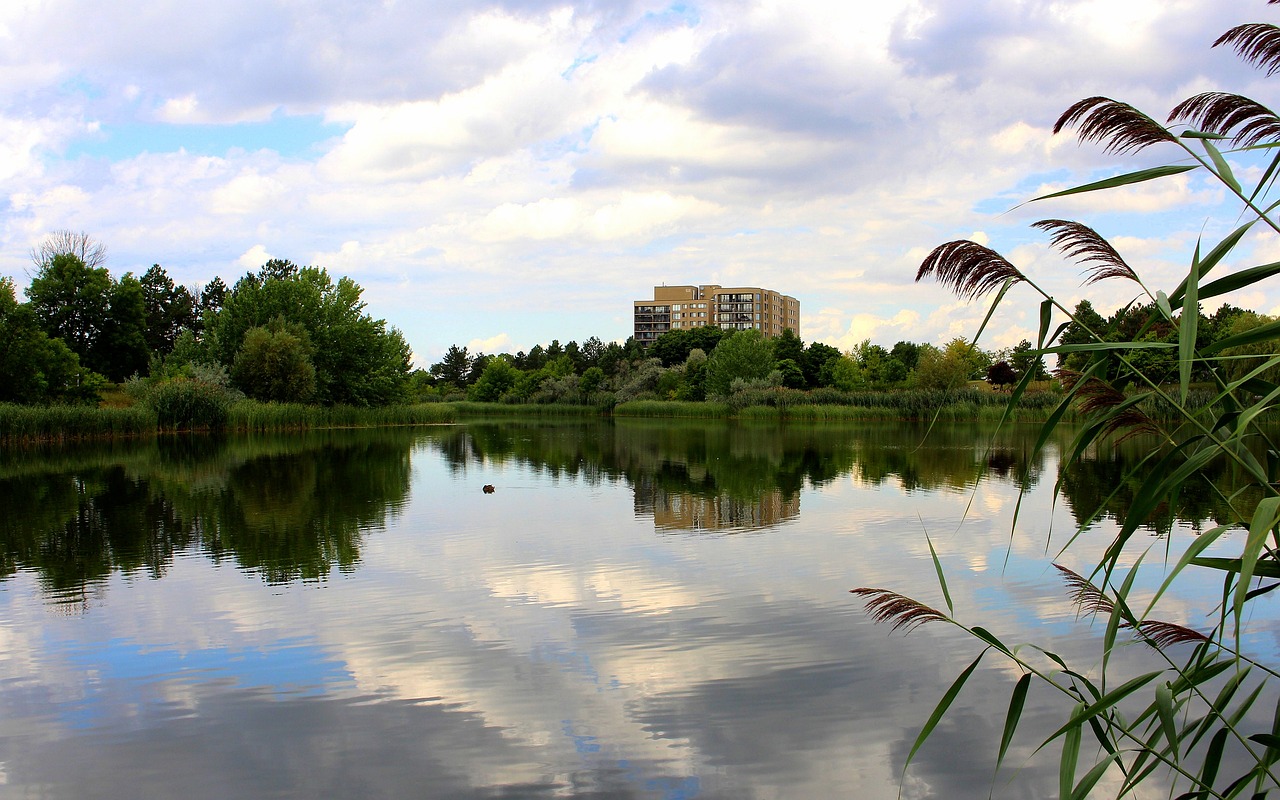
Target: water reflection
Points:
(295, 508)
(287, 508)
(540, 641)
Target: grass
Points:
(72, 423)
(672, 408)
(469, 408)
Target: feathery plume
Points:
(1222, 112)
(887, 606)
(1084, 594)
(1154, 632)
(970, 269)
(1257, 43)
(1120, 127)
(1099, 397)
(1079, 241)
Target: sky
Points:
(497, 175)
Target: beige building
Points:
(729, 307)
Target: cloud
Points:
(499, 343)
(534, 156)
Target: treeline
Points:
(284, 333)
(711, 364)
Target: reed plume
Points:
(1257, 43)
(970, 269)
(1080, 242)
(1222, 112)
(887, 606)
(1091, 600)
(1096, 396)
(1119, 127)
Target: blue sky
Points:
(497, 175)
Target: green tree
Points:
(498, 378)
(746, 354)
(592, 379)
(358, 360)
(453, 367)
(1023, 359)
(788, 347)
(71, 301)
(949, 368)
(170, 309)
(274, 364)
(817, 361)
(120, 349)
(845, 374)
(35, 368)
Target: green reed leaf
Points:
(941, 708)
(1265, 517)
(1193, 550)
(1164, 707)
(1262, 333)
(1070, 752)
(1213, 759)
(1123, 180)
(1239, 280)
(1091, 778)
(1220, 165)
(1188, 326)
(1108, 700)
(1016, 702)
(942, 579)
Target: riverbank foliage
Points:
(1204, 722)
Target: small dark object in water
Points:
(488, 488)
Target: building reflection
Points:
(675, 510)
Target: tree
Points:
(71, 300)
(453, 367)
(358, 360)
(1001, 374)
(35, 368)
(274, 363)
(120, 349)
(746, 354)
(788, 347)
(949, 368)
(1085, 324)
(1024, 360)
(497, 379)
(92, 253)
(817, 361)
(170, 309)
(592, 351)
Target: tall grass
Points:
(471, 408)
(72, 423)
(673, 409)
(258, 417)
(1184, 722)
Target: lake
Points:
(639, 609)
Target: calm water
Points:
(648, 610)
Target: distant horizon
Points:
(500, 177)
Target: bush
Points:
(189, 404)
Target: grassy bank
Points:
(71, 423)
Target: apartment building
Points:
(729, 307)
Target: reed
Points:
(474, 409)
(1183, 722)
(258, 417)
(72, 423)
(681, 409)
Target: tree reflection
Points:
(285, 508)
(699, 475)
